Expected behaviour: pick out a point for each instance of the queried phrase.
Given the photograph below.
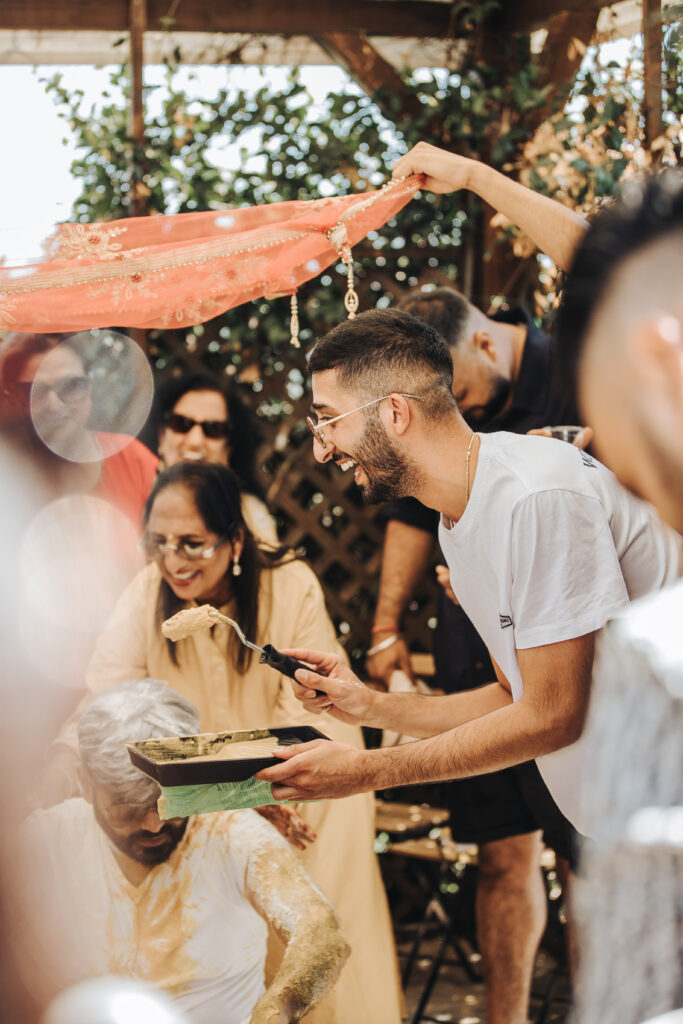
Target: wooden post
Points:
(569, 33)
(652, 70)
(136, 124)
(136, 117)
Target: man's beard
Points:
(148, 855)
(479, 415)
(390, 474)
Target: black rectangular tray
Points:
(152, 756)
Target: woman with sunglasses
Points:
(197, 417)
(201, 551)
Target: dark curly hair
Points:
(243, 429)
(217, 496)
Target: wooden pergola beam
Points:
(529, 15)
(353, 52)
(296, 17)
(423, 19)
(569, 34)
(568, 37)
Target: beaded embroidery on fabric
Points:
(178, 270)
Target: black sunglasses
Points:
(213, 429)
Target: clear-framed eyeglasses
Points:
(123, 815)
(316, 427)
(69, 390)
(156, 548)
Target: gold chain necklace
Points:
(467, 468)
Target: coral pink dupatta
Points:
(177, 270)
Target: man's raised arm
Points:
(281, 891)
(555, 229)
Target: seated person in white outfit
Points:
(106, 887)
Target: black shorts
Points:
(507, 803)
(511, 802)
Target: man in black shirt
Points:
(504, 379)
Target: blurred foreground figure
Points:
(69, 410)
(110, 1000)
(621, 328)
(70, 406)
(27, 722)
(106, 887)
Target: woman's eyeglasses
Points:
(69, 390)
(213, 429)
(192, 550)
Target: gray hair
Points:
(133, 711)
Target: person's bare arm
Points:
(283, 894)
(405, 559)
(555, 229)
(549, 716)
(347, 699)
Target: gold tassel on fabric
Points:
(351, 300)
(337, 238)
(294, 322)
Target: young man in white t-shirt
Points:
(104, 886)
(575, 548)
(542, 544)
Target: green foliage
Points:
(672, 51)
(291, 148)
(580, 155)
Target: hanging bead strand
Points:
(294, 321)
(351, 300)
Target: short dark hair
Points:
(647, 211)
(444, 309)
(217, 497)
(243, 430)
(386, 350)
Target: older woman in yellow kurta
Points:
(201, 551)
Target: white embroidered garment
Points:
(188, 928)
